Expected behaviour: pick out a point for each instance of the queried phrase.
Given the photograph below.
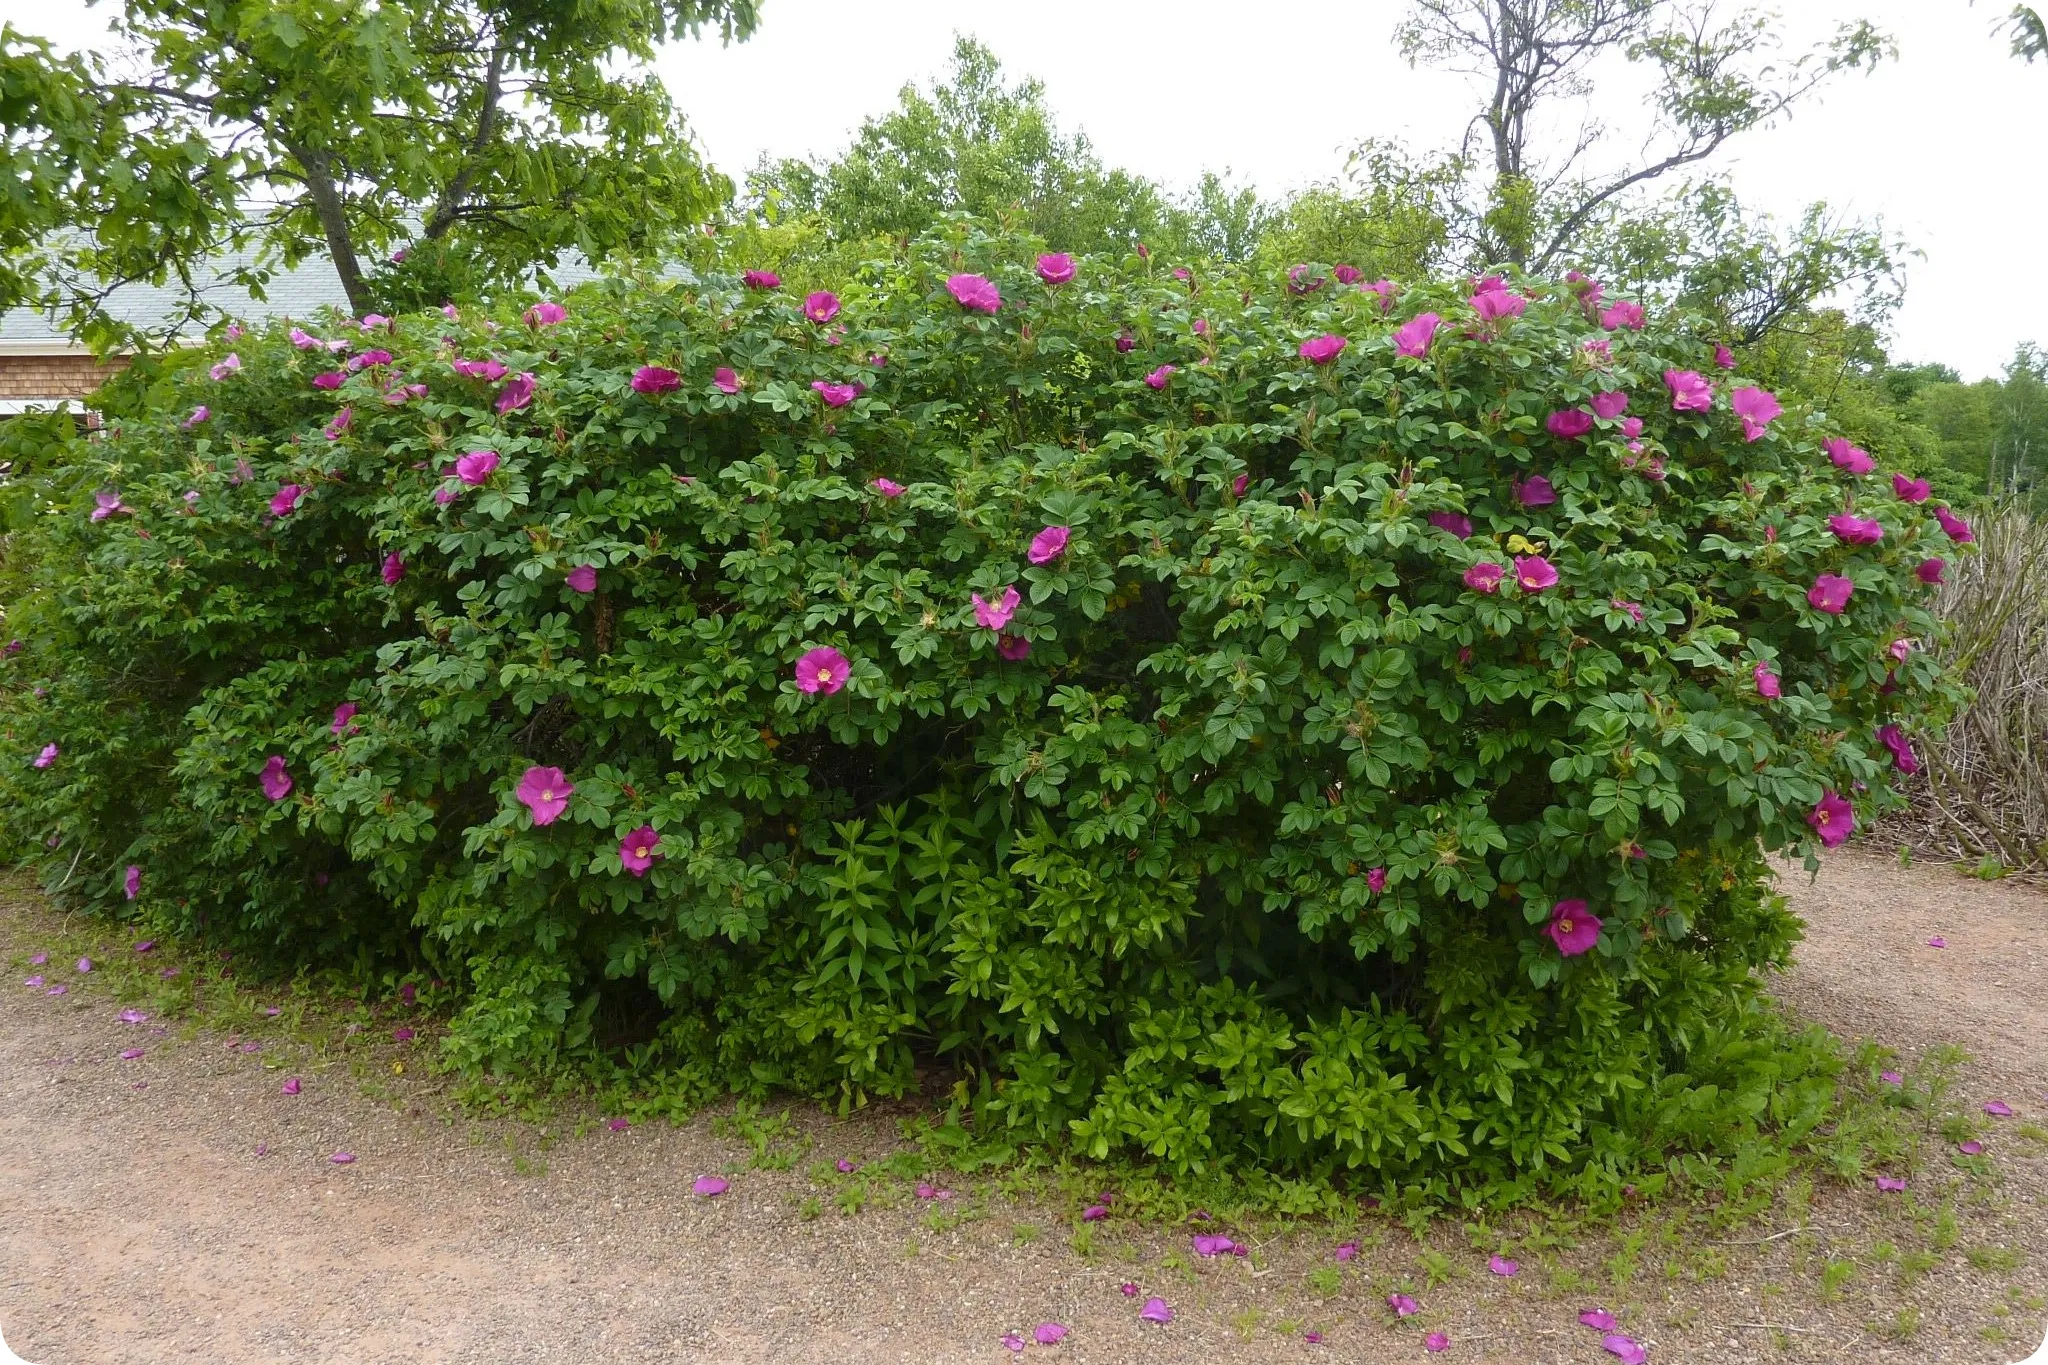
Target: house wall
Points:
(70, 375)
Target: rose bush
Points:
(1334, 726)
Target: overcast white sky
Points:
(1945, 144)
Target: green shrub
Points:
(1252, 859)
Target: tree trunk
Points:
(341, 245)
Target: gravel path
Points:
(141, 1224)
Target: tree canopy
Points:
(485, 135)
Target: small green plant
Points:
(1246, 1323)
(1325, 1280)
(2003, 1260)
(1914, 1264)
(811, 1208)
(1024, 1234)
(1833, 1275)
(1437, 1268)
(1903, 1325)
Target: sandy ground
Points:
(139, 1224)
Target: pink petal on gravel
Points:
(1130, 1291)
(1502, 1266)
(85, 964)
(846, 1166)
(1094, 1213)
(1629, 1350)
(252, 1047)
(271, 1012)
(1599, 1319)
(1891, 1078)
(1891, 1184)
(169, 972)
(1998, 1109)
(1155, 1310)
(33, 983)
(1312, 1338)
(710, 1186)
(147, 945)
(134, 1017)
(1403, 1306)
(130, 1054)
(618, 1125)
(38, 959)
(1972, 1148)
(1012, 1342)
(343, 1159)
(1436, 1341)
(290, 1086)
(1049, 1333)
(263, 1149)
(59, 989)
(1347, 1251)
(1937, 942)
(401, 1035)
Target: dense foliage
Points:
(1257, 724)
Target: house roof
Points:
(301, 292)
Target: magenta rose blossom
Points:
(344, 716)
(1534, 573)
(1910, 490)
(1929, 571)
(1376, 880)
(836, 395)
(725, 380)
(45, 758)
(638, 850)
(1323, 349)
(1534, 491)
(1348, 274)
(1903, 757)
(1158, 378)
(275, 781)
(1689, 391)
(1049, 544)
(1493, 304)
(1056, 267)
(1569, 424)
(1724, 358)
(1015, 648)
(654, 380)
(286, 500)
(1756, 408)
(1852, 530)
(1125, 341)
(974, 293)
(228, 365)
(1403, 1305)
(1572, 927)
(822, 670)
(822, 306)
(517, 393)
(1855, 459)
(1830, 593)
(476, 467)
(545, 792)
(583, 578)
(1484, 577)
(995, 615)
(545, 314)
(131, 882)
(1456, 523)
(888, 488)
(394, 567)
(1623, 316)
(1412, 338)
(1958, 530)
(1767, 684)
(329, 380)
(491, 371)
(1833, 819)
(1610, 405)
(761, 279)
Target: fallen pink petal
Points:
(1436, 1342)
(1998, 1109)
(343, 1158)
(1155, 1309)
(1403, 1305)
(1599, 1319)
(1049, 1333)
(134, 1017)
(1012, 1342)
(290, 1086)
(1129, 1290)
(618, 1125)
(1937, 942)
(1214, 1245)
(1627, 1349)
(710, 1186)
(1971, 1148)
(130, 1054)
(1502, 1266)
(1891, 1184)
